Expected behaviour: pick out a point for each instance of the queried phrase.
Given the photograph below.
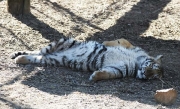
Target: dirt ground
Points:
(153, 25)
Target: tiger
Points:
(103, 60)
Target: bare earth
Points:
(153, 25)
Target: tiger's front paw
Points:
(99, 75)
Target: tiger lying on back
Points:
(106, 62)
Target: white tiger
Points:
(106, 62)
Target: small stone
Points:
(166, 96)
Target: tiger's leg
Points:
(37, 59)
(60, 45)
(119, 42)
(108, 72)
(43, 51)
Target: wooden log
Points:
(18, 7)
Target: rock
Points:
(166, 96)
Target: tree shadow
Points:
(47, 31)
(130, 26)
(44, 29)
(134, 22)
(19, 39)
(13, 105)
(75, 18)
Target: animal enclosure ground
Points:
(153, 25)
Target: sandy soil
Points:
(153, 25)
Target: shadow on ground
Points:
(46, 31)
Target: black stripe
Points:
(149, 60)
(61, 49)
(24, 53)
(47, 51)
(81, 54)
(102, 61)
(136, 70)
(51, 61)
(50, 45)
(61, 43)
(45, 61)
(63, 60)
(54, 62)
(94, 62)
(15, 55)
(69, 63)
(41, 60)
(65, 39)
(57, 62)
(35, 60)
(72, 43)
(19, 53)
(81, 66)
(82, 47)
(50, 49)
(75, 64)
(127, 70)
(54, 54)
(140, 57)
(90, 56)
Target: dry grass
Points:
(151, 24)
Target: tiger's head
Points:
(150, 68)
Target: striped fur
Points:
(105, 62)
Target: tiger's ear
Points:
(159, 58)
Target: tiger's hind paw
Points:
(16, 54)
(22, 60)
